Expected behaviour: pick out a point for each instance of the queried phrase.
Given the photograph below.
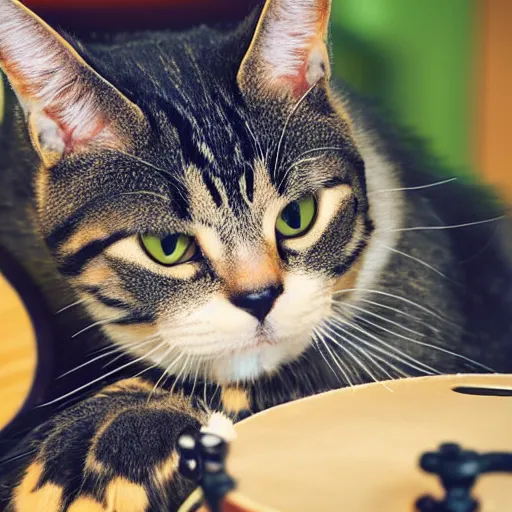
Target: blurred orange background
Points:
(493, 136)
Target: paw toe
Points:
(31, 494)
(85, 504)
(126, 496)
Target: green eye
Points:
(297, 217)
(171, 249)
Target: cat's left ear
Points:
(289, 51)
(68, 106)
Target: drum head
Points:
(358, 449)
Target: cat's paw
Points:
(115, 452)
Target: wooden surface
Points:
(358, 449)
(17, 352)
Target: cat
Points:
(233, 230)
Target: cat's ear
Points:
(289, 51)
(68, 106)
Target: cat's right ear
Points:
(68, 107)
(288, 54)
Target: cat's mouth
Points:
(265, 336)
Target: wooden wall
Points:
(17, 352)
(493, 128)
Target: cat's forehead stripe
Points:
(218, 139)
(212, 187)
(243, 190)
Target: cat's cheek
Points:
(210, 330)
(304, 305)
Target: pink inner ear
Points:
(290, 37)
(291, 30)
(298, 82)
(49, 77)
(78, 118)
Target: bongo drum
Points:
(25, 341)
(358, 449)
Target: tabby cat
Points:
(220, 229)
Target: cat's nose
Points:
(258, 303)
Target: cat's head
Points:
(201, 191)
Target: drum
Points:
(25, 341)
(358, 449)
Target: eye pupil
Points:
(169, 244)
(169, 250)
(296, 218)
(291, 215)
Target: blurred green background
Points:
(418, 57)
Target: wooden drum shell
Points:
(358, 449)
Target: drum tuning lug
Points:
(216, 483)
(203, 460)
(458, 471)
(190, 464)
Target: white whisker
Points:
(296, 164)
(102, 349)
(398, 297)
(287, 122)
(183, 371)
(195, 379)
(352, 356)
(69, 306)
(109, 353)
(144, 162)
(380, 317)
(95, 324)
(99, 379)
(395, 353)
(166, 371)
(163, 172)
(420, 187)
(16, 457)
(399, 311)
(429, 345)
(396, 251)
(142, 372)
(145, 193)
(205, 391)
(255, 140)
(110, 363)
(336, 362)
(212, 398)
(371, 350)
(454, 226)
(322, 150)
(366, 353)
